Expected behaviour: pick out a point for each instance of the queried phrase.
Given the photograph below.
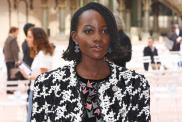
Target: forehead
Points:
(91, 17)
(150, 40)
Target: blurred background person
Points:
(173, 37)
(11, 50)
(179, 36)
(42, 51)
(151, 51)
(49, 37)
(26, 52)
(123, 41)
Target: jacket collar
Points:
(12, 35)
(73, 71)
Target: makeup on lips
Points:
(97, 47)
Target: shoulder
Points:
(155, 48)
(131, 78)
(42, 54)
(146, 48)
(54, 76)
(10, 39)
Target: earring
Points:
(76, 47)
(110, 50)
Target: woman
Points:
(173, 37)
(91, 90)
(11, 50)
(124, 41)
(41, 51)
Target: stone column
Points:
(155, 9)
(121, 9)
(44, 14)
(139, 18)
(73, 7)
(146, 9)
(13, 13)
(61, 9)
(128, 4)
(128, 21)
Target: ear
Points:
(74, 36)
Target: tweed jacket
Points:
(125, 97)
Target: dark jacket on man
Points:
(11, 49)
(125, 42)
(148, 52)
(172, 36)
(26, 50)
(178, 45)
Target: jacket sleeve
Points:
(38, 107)
(15, 49)
(172, 36)
(143, 110)
(145, 52)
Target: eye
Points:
(88, 31)
(105, 31)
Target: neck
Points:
(92, 69)
(151, 47)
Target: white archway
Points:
(4, 20)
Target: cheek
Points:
(107, 41)
(31, 42)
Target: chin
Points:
(97, 57)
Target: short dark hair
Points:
(13, 29)
(117, 50)
(151, 38)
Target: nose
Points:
(98, 38)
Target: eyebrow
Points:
(88, 25)
(93, 26)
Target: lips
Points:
(97, 47)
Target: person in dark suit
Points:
(124, 41)
(151, 51)
(26, 50)
(179, 36)
(173, 37)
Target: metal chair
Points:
(17, 99)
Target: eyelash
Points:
(88, 30)
(105, 31)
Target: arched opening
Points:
(4, 20)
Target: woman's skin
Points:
(30, 41)
(92, 32)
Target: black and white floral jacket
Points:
(125, 97)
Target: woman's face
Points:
(92, 35)
(30, 39)
(16, 32)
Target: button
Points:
(123, 112)
(115, 88)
